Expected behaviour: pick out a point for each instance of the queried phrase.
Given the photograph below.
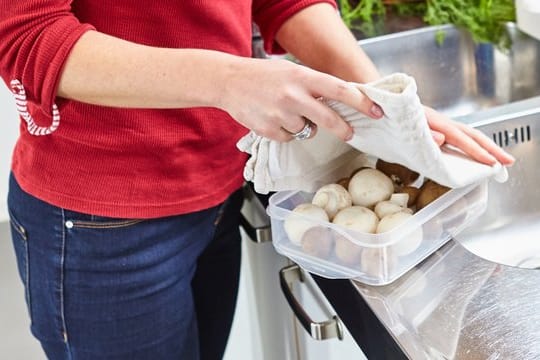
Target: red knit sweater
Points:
(128, 163)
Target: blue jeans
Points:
(106, 288)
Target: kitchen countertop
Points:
(453, 305)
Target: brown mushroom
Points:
(413, 194)
(399, 174)
(343, 182)
(429, 192)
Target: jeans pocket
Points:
(19, 238)
(17, 227)
(102, 223)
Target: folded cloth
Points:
(298, 165)
(401, 136)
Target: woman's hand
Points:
(273, 98)
(469, 140)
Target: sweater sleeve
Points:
(269, 15)
(37, 36)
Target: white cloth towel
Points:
(298, 165)
(401, 136)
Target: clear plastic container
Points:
(375, 259)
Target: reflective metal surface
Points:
(458, 76)
(253, 218)
(509, 231)
(328, 329)
(458, 305)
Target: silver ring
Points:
(305, 133)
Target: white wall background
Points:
(9, 130)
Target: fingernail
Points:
(510, 157)
(349, 135)
(376, 111)
(492, 159)
(438, 137)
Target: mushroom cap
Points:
(357, 218)
(409, 242)
(346, 251)
(413, 194)
(318, 241)
(401, 199)
(429, 192)
(400, 174)
(369, 186)
(387, 207)
(295, 226)
(332, 198)
(392, 221)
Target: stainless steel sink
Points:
(509, 231)
(458, 76)
(499, 93)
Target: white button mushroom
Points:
(402, 199)
(332, 198)
(346, 251)
(369, 186)
(295, 226)
(387, 207)
(318, 241)
(357, 218)
(407, 244)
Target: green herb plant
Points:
(366, 16)
(484, 19)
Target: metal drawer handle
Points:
(253, 213)
(260, 234)
(318, 330)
